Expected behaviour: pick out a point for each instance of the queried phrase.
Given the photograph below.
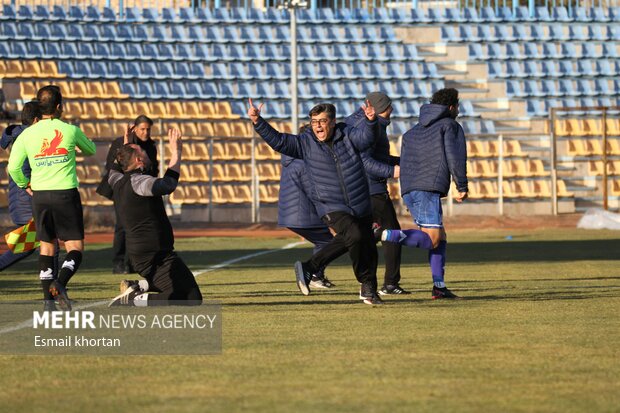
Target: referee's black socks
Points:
(46, 274)
(69, 266)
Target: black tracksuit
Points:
(150, 241)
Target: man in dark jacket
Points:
(150, 240)
(331, 155)
(20, 201)
(380, 166)
(139, 133)
(297, 212)
(432, 151)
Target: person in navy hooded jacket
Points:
(380, 166)
(432, 152)
(331, 155)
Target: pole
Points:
(500, 175)
(294, 105)
(554, 165)
(605, 200)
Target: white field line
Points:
(224, 264)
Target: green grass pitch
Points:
(538, 330)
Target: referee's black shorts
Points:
(58, 214)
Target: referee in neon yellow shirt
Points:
(49, 146)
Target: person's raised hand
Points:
(127, 138)
(175, 142)
(369, 110)
(253, 111)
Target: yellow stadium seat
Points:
(112, 90)
(27, 91)
(232, 194)
(234, 172)
(177, 196)
(239, 150)
(93, 174)
(577, 147)
(72, 110)
(264, 152)
(224, 111)
(218, 172)
(90, 110)
(222, 129)
(191, 110)
(185, 175)
(269, 193)
(613, 146)
(175, 110)
(32, 69)
(536, 167)
(79, 90)
(157, 110)
(593, 127)
(50, 69)
(200, 151)
(488, 189)
(508, 188)
(108, 110)
(199, 172)
(615, 187)
(562, 190)
(2, 67)
(613, 126)
(241, 129)
(268, 171)
(125, 110)
(89, 129)
(193, 194)
(513, 148)
(208, 110)
(14, 68)
(205, 129)
(219, 151)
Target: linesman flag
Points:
(23, 238)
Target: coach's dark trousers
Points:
(354, 235)
(383, 213)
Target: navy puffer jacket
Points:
(378, 162)
(432, 151)
(335, 167)
(20, 203)
(295, 208)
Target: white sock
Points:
(144, 285)
(141, 300)
(440, 284)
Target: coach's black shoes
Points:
(126, 297)
(393, 290)
(59, 293)
(303, 276)
(440, 293)
(49, 305)
(371, 299)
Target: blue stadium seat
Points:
(530, 51)
(220, 71)
(568, 50)
(222, 15)
(8, 12)
(203, 14)
(116, 70)
(187, 15)
(449, 34)
(598, 14)
(549, 69)
(519, 33)
(225, 91)
(610, 51)
(604, 68)
(74, 32)
(584, 87)
(98, 70)
(538, 33)
(530, 68)
(580, 14)
(437, 15)
(556, 32)
(177, 91)
(385, 16)
(419, 16)
(192, 90)
(513, 51)
(548, 88)
(85, 51)
(148, 71)
(513, 88)
(247, 90)
(495, 70)
(595, 32)
(584, 67)
(34, 50)
(466, 34)
(108, 33)
(541, 14)
(18, 50)
(25, 13)
(144, 90)
(514, 70)
(132, 15)
(475, 52)
(65, 67)
(169, 15)
(487, 14)
(165, 70)
(150, 15)
(535, 108)
(93, 15)
(161, 90)
(566, 68)
(485, 35)
(52, 51)
(560, 14)
(81, 70)
(41, 13)
(614, 14)
(487, 126)
(470, 14)
(502, 34)
(522, 14)
(577, 33)
(76, 14)
(109, 15)
(550, 51)
(613, 32)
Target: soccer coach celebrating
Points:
(50, 146)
